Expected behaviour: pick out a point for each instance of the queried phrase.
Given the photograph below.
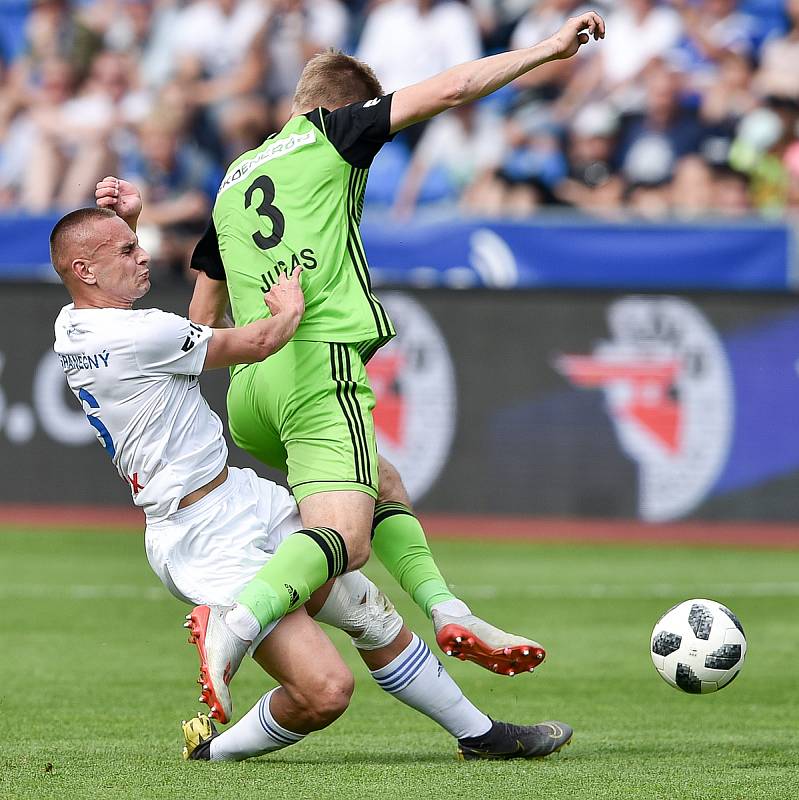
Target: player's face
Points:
(121, 263)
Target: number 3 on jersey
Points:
(266, 209)
(102, 432)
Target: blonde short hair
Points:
(333, 79)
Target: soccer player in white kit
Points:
(210, 527)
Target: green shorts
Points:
(307, 411)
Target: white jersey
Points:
(135, 374)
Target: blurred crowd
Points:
(689, 108)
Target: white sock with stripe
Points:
(256, 733)
(418, 679)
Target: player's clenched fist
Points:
(286, 297)
(576, 32)
(120, 196)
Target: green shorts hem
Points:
(307, 488)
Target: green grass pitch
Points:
(95, 676)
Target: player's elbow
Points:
(455, 91)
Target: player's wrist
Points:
(552, 49)
(131, 220)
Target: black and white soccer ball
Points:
(698, 646)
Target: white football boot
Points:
(470, 638)
(221, 652)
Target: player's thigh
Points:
(299, 656)
(330, 436)
(254, 399)
(309, 406)
(392, 489)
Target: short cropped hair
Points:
(69, 228)
(333, 79)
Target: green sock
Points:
(399, 542)
(301, 564)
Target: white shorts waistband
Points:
(217, 495)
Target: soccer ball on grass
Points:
(698, 646)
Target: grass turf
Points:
(94, 679)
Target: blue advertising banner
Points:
(561, 255)
(551, 254)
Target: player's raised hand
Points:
(120, 196)
(576, 32)
(286, 297)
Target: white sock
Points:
(417, 678)
(452, 608)
(243, 622)
(254, 734)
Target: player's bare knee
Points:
(321, 702)
(358, 548)
(333, 700)
(392, 489)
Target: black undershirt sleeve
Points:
(358, 130)
(206, 257)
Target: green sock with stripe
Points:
(399, 542)
(302, 563)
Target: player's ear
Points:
(83, 271)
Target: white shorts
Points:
(207, 553)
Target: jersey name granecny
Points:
(296, 201)
(135, 374)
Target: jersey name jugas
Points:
(305, 259)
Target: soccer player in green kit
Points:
(294, 203)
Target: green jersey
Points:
(296, 201)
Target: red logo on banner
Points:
(384, 374)
(663, 372)
(652, 391)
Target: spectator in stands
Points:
(533, 166)
(692, 189)
(758, 150)
(692, 104)
(457, 150)
(406, 41)
(638, 31)
(649, 201)
(547, 81)
(651, 143)
(55, 30)
(730, 193)
(78, 140)
(593, 183)
(297, 30)
(17, 145)
(497, 20)
(712, 29)
(729, 96)
(779, 64)
(178, 183)
(791, 161)
(221, 68)
(145, 30)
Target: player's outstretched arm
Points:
(262, 338)
(475, 79)
(122, 197)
